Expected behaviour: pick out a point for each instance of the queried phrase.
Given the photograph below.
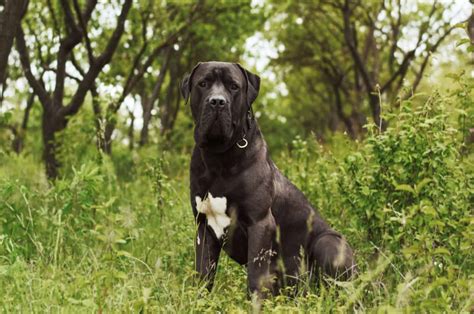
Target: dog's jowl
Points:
(241, 201)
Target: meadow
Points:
(116, 234)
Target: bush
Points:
(409, 189)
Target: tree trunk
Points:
(358, 121)
(176, 109)
(51, 124)
(131, 137)
(19, 139)
(98, 121)
(146, 123)
(340, 113)
(109, 130)
(13, 10)
(168, 112)
(150, 102)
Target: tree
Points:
(57, 107)
(356, 52)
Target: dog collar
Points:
(242, 143)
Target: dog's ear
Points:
(253, 84)
(186, 84)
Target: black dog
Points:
(241, 201)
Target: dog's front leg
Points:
(260, 253)
(208, 248)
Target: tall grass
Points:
(117, 235)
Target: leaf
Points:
(463, 41)
(88, 302)
(461, 112)
(7, 116)
(365, 191)
(411, 250)
(441, 250)
(124, 253)
(74, 301)
(453, 76)
(421, 184)
(405, 187)
(428, 210)
(440, 281)
(120, 275)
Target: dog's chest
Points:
(215, 210)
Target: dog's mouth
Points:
(216, 128)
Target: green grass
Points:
(117, 235)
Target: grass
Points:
(140, 258)
(117, 235)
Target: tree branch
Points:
(38, 86)
(133, 80)
(41, 58)
(401, 72)
(67, 44)
(129, 83)
(395, 35)
(101, 61)
(161, 77)
(76, 65)
(350, 41)
(431, 50)
(53, 17)
(29, 104)
(410, 56)
(83, 27)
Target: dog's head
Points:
(221, 95)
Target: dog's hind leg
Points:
(329, 253)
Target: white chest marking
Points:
(214, 208)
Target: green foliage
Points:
(410, 172)
(410, 189)
(462, 101)
(116, 234)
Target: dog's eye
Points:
(203, 83)
(234, 86)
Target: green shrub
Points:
(412, 192)
(408, 185)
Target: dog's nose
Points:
(217, 101)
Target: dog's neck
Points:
(235, 157)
